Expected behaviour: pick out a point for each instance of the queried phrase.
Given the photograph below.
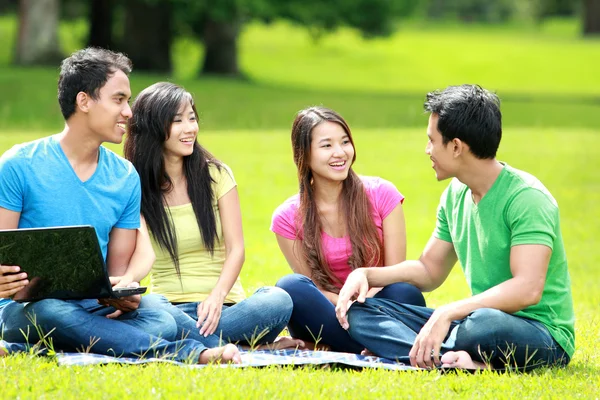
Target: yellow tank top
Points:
(199, 270)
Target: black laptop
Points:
(61, 263)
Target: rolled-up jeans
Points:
(501, 340)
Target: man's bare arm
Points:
(10, 281)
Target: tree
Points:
(218, 24)
(148, 34)
(591, 17)
(37, 39)
(101, 24)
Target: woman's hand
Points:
(209, 313)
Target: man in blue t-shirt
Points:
(70, 179)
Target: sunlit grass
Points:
(265, 173)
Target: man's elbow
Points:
(533, 295)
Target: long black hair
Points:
(153, 112)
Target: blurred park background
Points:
(252, 64)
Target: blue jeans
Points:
(255, 320)
(81, 325)
(314, 315)
(388, 329)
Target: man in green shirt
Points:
(503, 226)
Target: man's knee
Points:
(483, 326)
(358, 318)
(154, 301)
(154, 321)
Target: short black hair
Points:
(469, 113)
(87, 71)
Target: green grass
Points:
(266, 176)
(547, 78)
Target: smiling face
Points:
(110, 112)
(331, 152)
(440, 154)
(183, 132)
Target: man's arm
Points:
(427, 273)
(122, 271)
(143, 257)
(121, 245)
(10, 281)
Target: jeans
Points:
(81, 325)
(314, 315)
(255, 320)
(388, 329)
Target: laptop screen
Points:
(62, 262)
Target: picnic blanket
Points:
(255, 358)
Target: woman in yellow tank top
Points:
(191, 207)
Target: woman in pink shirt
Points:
(336, 223)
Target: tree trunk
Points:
(220, 46)
(101, 22)
(37, 40)
(591, 17)
(148, 35)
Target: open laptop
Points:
(61, 263)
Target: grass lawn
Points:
(266, 176)
(548, 80)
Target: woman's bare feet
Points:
(367, 353)
(221, 355)
(460, 359)
(288, 342)
(285, 342)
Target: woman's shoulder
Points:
(289, 206)
(373, 184)
(283, 221)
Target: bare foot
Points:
(460, 359)
(285, 342)
(367, 352)
(288, 342)
(316, 346)
(221, 355)
(3, 352)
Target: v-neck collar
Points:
(65, 159)
(492, 188)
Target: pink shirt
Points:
(384, 198)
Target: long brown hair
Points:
(367, 247)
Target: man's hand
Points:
(209, 313)
(11, 280)
(356, 287)
(122, 304)
(429, 340)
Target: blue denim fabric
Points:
(314, 315)
(81, 325)
(388, 329)
(255, 320)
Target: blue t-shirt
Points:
(37, 180)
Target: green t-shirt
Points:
(517, 210)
